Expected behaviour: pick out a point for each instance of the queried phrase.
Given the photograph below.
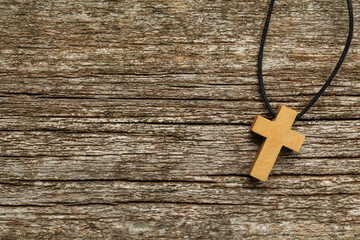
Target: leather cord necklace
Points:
(278, 132)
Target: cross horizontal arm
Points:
(294, 140)
(261, 126)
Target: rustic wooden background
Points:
(130, 120)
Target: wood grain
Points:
(130, 120)
(154, 151)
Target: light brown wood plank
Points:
(30, 112)
(164, 221)
(86, 48)
(287, 206)
(130, 120)
(155, 151)
(226, 190)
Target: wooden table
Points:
(130, 120)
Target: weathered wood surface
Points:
(130, 120)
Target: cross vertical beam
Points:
(278, 133)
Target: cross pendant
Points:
(278, 133)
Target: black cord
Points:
(327, 83)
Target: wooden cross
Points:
(278, 133)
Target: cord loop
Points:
(326, 84)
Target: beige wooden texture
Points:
(130, 120)
(277, 134)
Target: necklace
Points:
(278, 132)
